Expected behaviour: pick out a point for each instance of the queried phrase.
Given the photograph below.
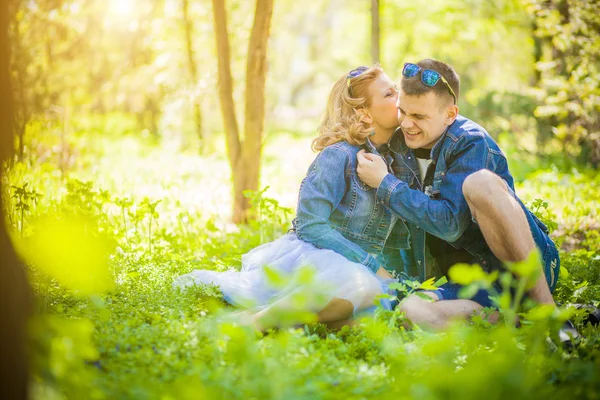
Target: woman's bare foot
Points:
(247, 318)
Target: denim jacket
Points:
(337, 211)
(441, 209)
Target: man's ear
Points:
(451, 114)
(364, 115)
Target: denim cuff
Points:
(371, 263)
(385, 189)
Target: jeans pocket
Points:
(551, 264)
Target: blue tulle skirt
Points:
(293, 269)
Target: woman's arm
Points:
(320, 193)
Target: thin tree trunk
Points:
(226, 98)
(244, 158)
(537, 53)
(22, 114)
(256, 73)
(375, 56)
(14, 290)
(226, 82)
(193, 70)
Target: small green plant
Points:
(149, 208)
(25, 199)
(403, 289)
(83, 200)
(136, 214)
(540, 208)
(124, 204)
(271, 217)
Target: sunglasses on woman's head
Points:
(353, 74)
(429, 77)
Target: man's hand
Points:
(371, 168)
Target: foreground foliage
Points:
(112, 326)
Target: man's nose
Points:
(405, 122)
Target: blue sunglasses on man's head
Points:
(429, 77)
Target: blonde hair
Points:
(342, 121)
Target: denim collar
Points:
(387, 156)
(372, 148)
(437, 147)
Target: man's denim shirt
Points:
(442, 210)
(337, 211)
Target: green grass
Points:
(142, 339)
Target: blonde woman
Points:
(341, 235)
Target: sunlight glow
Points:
(121, 8)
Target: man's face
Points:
(423, 119)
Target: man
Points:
(456, 194)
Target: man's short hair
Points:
(414, 87)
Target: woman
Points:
(333, 262)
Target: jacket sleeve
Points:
(321, 192)
(449, 216)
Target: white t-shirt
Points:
(423, 164)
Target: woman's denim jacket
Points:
(337, 211)
(441, 209)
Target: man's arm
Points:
(320, 193)
(447, 217)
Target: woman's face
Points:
(383, 111)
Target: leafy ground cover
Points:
(108, 234)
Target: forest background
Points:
(147, 131)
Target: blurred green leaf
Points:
(72, 251)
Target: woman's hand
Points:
(382, 273)
(371, 168)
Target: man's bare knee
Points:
(480, 186)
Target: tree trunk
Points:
(14, 290)
(375, 56)
(226, 82)
(21, 115)
(256, 73)
(193, 71)
(537, 53)
(244, 159)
